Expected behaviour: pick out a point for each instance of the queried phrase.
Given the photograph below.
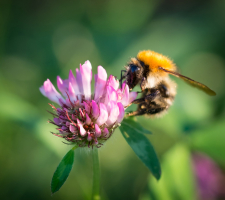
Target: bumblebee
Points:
(151, 70)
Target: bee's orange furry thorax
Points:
(155, 60)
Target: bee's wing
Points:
(192, 82)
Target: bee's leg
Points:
(148, 98)
(151, 96)
(122, 76)
(143, 83)
(136, 113)
(148, 111)
(153, 111)
(138, 101)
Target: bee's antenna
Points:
(122, 77)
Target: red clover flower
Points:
(209, 178)
(83, 118)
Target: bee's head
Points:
(134, 74)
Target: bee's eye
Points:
(134, 68)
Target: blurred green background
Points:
(43, 39)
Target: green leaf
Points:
(133, 124)
(62, 171)
(142, 147)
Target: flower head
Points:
(209, 177)
(84, 118)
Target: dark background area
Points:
(43, 39)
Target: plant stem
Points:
(96, 175)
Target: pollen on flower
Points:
(84, 118)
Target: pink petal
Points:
(87, 107)
(89, 138)
(67, 123)
(59, 111)
(114, 113)
(101, 82)
(125, 98)
(63, 101)
(83, 132)
(86, 74)
(50, 92)
(113, 82)
(97, 131)
(68, 103)
(103, 115)
(72, 128)
(88, 64)
(111, 95)
(96, 141)
(79, 123)
(121, 112)
(79, 81)
(96, 78)
(132, 96)
(42, 90)
(120, 95)
(123, 86)
(64, 128)
(57, 121)
(62, 86)
(71, 93)
(95, 109)
(88, 120)
(73, 81)
(105, 132)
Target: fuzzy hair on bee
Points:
(151, 70)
